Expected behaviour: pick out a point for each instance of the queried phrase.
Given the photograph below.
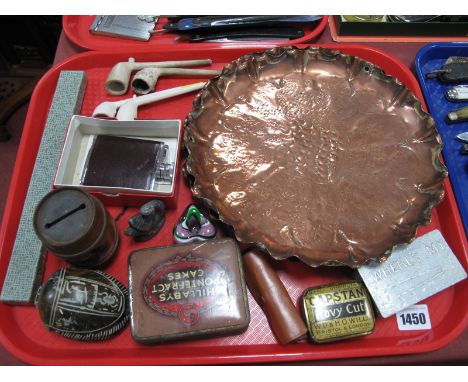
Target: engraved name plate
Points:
(413, 273)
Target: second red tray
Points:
(77, 30)
(23, 334)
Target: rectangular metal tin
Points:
(338, 311)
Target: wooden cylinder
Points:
(76, 227)
(269, 292)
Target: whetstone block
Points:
(27, 261)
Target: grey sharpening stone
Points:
(27, 259)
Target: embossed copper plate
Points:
(315, 154)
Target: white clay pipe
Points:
(127, 109)
(145, 80)
(119, 76)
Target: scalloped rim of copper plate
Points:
(229, 72)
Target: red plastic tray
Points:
(22, 333)
(77, 30)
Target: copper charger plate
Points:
(315, 154)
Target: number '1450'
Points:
(413, 318)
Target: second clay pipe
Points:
(119, 76)
(145, 80)
(127, 109)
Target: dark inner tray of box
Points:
(347, 28)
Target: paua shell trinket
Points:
(83, 305)
(193, 226)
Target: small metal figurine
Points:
(147, 223)
(193, 226)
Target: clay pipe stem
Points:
(145, 80)
(119, 76)
(127, 109)
(269, 292)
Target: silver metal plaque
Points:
(413, 273)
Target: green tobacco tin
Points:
(338, 311)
